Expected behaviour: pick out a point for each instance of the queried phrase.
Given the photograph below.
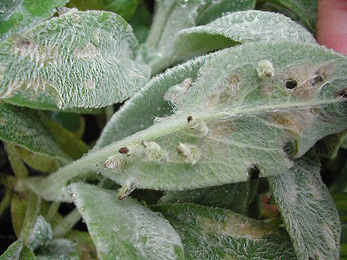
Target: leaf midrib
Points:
(84, 165)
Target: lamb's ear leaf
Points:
(235, 196)
(125, 8)
(175, 15)
(29, 129)
(306, 206)
(39, 162)
(305, 10)
(85, 246)
(231, 29)
(13, 251)
(57, 249)
(222, 234)
(19, 16)
(131, 230)
(235, 28)
(240, 121)
(78, 60)
(150, 101)
(329, 146)
(27, 254)
(40, 234)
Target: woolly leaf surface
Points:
(213, 233)
(252, 123)
(174, 15)
(78, 60)
(237, 28)
(305, 9)
(308, 210)
(124, 229)
(235, 196)
(29, 129)
(20, 15)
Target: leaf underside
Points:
(229, 30)
(78, 60)
(252, 122)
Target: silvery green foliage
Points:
(213, 233)
(308, 210)
(305, 9)
(124, 229)
(40, 234)
(20, 15)
(29, 129)
(237, 28)
(171, 16)
(13, 251)
(252, 121)
(78, 60)
(235, 196)
(62, 249)
(140, 111)
(231, 29)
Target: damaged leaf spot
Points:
(291, 84)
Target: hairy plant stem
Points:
(54, 187)
(67, 223)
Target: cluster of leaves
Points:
(249, 106)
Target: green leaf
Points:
(150, 101)
(125, 8)
(40, 234)
(32, 210)
(39, 162)
(174, 15)
(19, 16)
(75, 123)
(13, 251)
(236, 196)
(237, 28)
(308, 210)
(16, 161)
(124, 229)
(61, 249)
(213, 233)
(78, 60)
(305, 9)
(141, 22)
(27, 254)
(29, 129)
(243, 121)
(85, 247)
(19, 205)
(84, 5)
(69, 143)
(329, 146)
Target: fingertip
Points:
(332, 24)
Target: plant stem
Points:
(67, 223)
(53, 209)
